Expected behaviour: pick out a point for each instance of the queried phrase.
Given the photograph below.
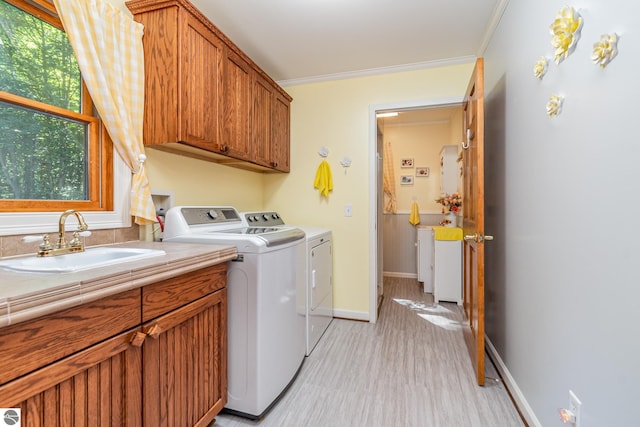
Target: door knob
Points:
(477, 237)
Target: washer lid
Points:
(272, 236)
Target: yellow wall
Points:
(422, 143)
(197, 182)
(335, 114)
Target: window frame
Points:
(114, 177)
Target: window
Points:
(54, 152)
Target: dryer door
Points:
(321, 271)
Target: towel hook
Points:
(324, 151)
(466, 145)
(345, 162)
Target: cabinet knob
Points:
(154, 331)
(225, 148)
(137, 339)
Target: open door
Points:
(380, 219)
(473, 216)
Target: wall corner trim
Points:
(520, 401)
(351, 314)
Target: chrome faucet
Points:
(64, 247)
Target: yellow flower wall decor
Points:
(540, 69)
(565, 31)
(605, 50)
(554, 106)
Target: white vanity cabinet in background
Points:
(447, 282)
(425, 260)
(439, 264)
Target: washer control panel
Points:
(263, 219)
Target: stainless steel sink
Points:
(90, 258)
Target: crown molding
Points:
(378, 71)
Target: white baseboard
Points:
(510, 383)
(351, 314)
(399, 274)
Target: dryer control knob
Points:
(212, 214)
(265, 217)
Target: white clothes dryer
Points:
(318, 309)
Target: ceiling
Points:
(297, 41)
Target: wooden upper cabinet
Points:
(270, 126)
(280, 135)
(236, 106)
(182, 59)
(261, 121)
(199, 78)
(204, 97)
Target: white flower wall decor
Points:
(540, 69)
(554, 105)
(605, 50)
(565, 31)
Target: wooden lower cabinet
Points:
(185, 364)
(168, 371)
(99, 386)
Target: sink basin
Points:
(90, 258)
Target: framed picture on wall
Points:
(406, 180)
(406, 163)
(422, 171)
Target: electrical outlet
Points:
(574, 406)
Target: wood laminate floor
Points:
(410, 369)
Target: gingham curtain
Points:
(108, 46)
(388, 179)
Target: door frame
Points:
(373, 184)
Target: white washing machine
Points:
(318, 307)
(265, 288)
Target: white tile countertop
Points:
(27, 295)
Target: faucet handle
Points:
(44, 246)
(75, 242)
(31, 239)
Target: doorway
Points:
(376, 254)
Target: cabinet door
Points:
(261, 121)
(448, 271)
(280, 138)
(425, 258)
(236, 106)
(161, 63)
(198, 110)
(185, 364)
(100, 386)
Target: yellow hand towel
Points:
(446, 233)
(323, 181)
(414, 218)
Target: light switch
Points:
(348, 210)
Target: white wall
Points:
(562, 197)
